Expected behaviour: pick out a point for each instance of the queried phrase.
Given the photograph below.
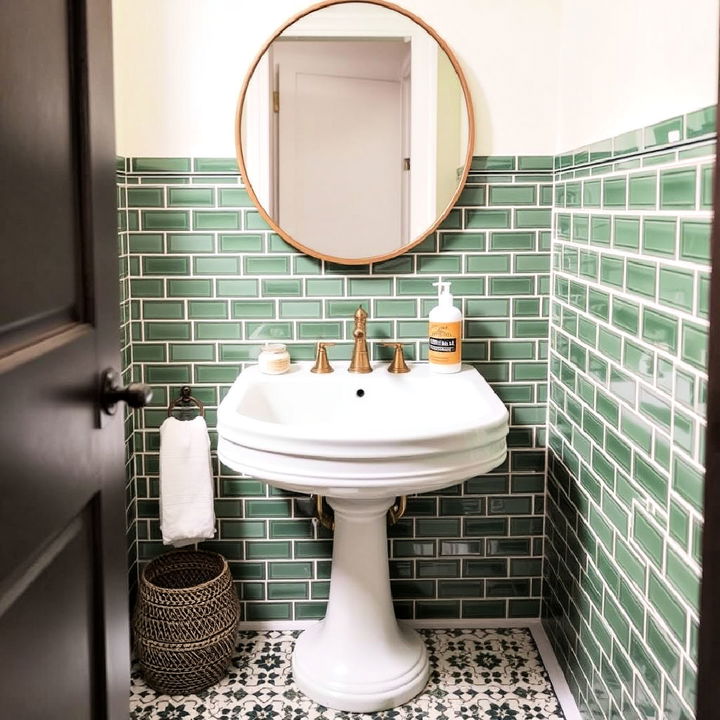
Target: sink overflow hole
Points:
(360, 393)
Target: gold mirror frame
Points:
(468, 155)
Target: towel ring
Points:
(184, 401)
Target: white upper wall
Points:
(180, 64)
(546, 76)
(625, 64)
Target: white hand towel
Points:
(186, 485)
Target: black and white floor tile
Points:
(480, 673)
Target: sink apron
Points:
(358, 658)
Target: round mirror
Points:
(353, 131)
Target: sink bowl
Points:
(349, 435)
(361, 440)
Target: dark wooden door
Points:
(63, 606)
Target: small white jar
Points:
(274, 359)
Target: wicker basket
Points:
(185, 621)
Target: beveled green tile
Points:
(642, 191)
(279, 288)
(216, 220)
(612, 270)
(163, 310)
(592, 193)
(189, 288)
(706, 187)
(345, 309)
(361, 287)
(700, 122)
(677, 189)
(148, 164)
(332, 287)
(207, 309)
(258, 265)
(665, 132)
(192, 352)
(486, 264)
(167, 331)
(145, 197)
(230, 242)
(658, 236)
(512, 195)
(453, 241)
(512, 241)
(493, 162)
(165, 265)
(614, 192)
(627, 232)
(147, 288)
(395, 308)
(290, 309)
(703, 295)
(695, 240)
(190, 243)
(648, 537)
(269, 331)
(165, 220)
(640, 278)
(320, 330)
(218, 331)
(145, 242)
(512, 286)
(233, 197)
(533, 219)
(438, 264)
(487, 219)
(535, 162)
(600, 230)
(658, 159)
(191, 197)
(160, 374)
(626, 315)
(216, 265)
(694, 348)
(471, 195)
(676, 288)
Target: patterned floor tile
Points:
(481, 673)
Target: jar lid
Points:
(274, 348)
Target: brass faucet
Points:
(360, 362)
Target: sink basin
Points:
(361, 440)
(350, 435)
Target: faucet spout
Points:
(360, 361)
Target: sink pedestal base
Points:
(358, 658)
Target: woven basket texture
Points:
(185, 621)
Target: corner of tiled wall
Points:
(126, 371)
(628, 372)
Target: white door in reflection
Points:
(341, 139)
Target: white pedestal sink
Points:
(361, 440)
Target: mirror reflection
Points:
(354, 132)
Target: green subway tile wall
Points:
(613, 546)
(628, 339)
(207, 283)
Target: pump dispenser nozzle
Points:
(445, 298)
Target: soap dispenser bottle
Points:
(445, 332)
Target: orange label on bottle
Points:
(445, 342)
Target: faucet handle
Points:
(322, 364)
(398, 364)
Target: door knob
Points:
(136, 395)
